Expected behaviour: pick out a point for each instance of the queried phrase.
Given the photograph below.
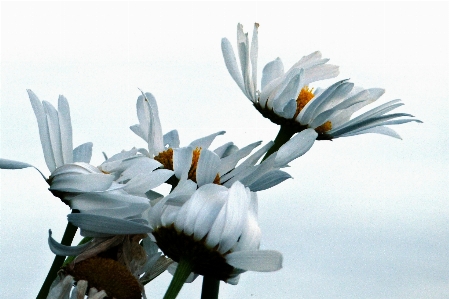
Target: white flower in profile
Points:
(201, 165)
(107, 205)
(214, 228)
(287, 100)
(279, 89)
(204, 166)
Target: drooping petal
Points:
(269, 180)
(256, 260)
(11, 164)
(107, 225)
(81, 183)
(63, 250)
(297, 146)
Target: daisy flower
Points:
(213, 229)
(109, 202)
(117, 266)
(203, 166)
(287, 100)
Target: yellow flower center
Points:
(305, 95)
(324, 127)
(166, 159)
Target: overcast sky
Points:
(364, 217)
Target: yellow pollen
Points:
(304, 97)
(166, 158)
(324, 127)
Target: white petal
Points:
(63, 250)
(269, 180)
(272, 70)
(83, 153)
(210, 203)
(11, 164)
(155, 138)
(147, 181)
(253, 58)
(207, 167)
(226, 150)
(43, 130)
(171, 139)
(231, 63)
(297, 146)
(229, 162)
(81, 183)
(205, 142)
(182, 160)
(257, 260)
(236, 214)
(107, 225)
(65, 124)
(55, 132)
(62, 289)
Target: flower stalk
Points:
(210, 289)
(182, 272)
(67, 239)
(284, 135)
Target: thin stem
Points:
(284, 135)
(210, 289)
(179, 278)
(67, 239)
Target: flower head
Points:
(109, 201)
(288, 100)
(279, 89)
(215, 228)
(118, 266)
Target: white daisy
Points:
(279, 89)
(204, 166)
(214, 228)
(287, 100)
(110, 203)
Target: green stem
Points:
(284, 135)
(67, 239)
(179, 278)
(210, 288)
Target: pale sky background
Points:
(364, 217)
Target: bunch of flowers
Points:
(207, 224)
